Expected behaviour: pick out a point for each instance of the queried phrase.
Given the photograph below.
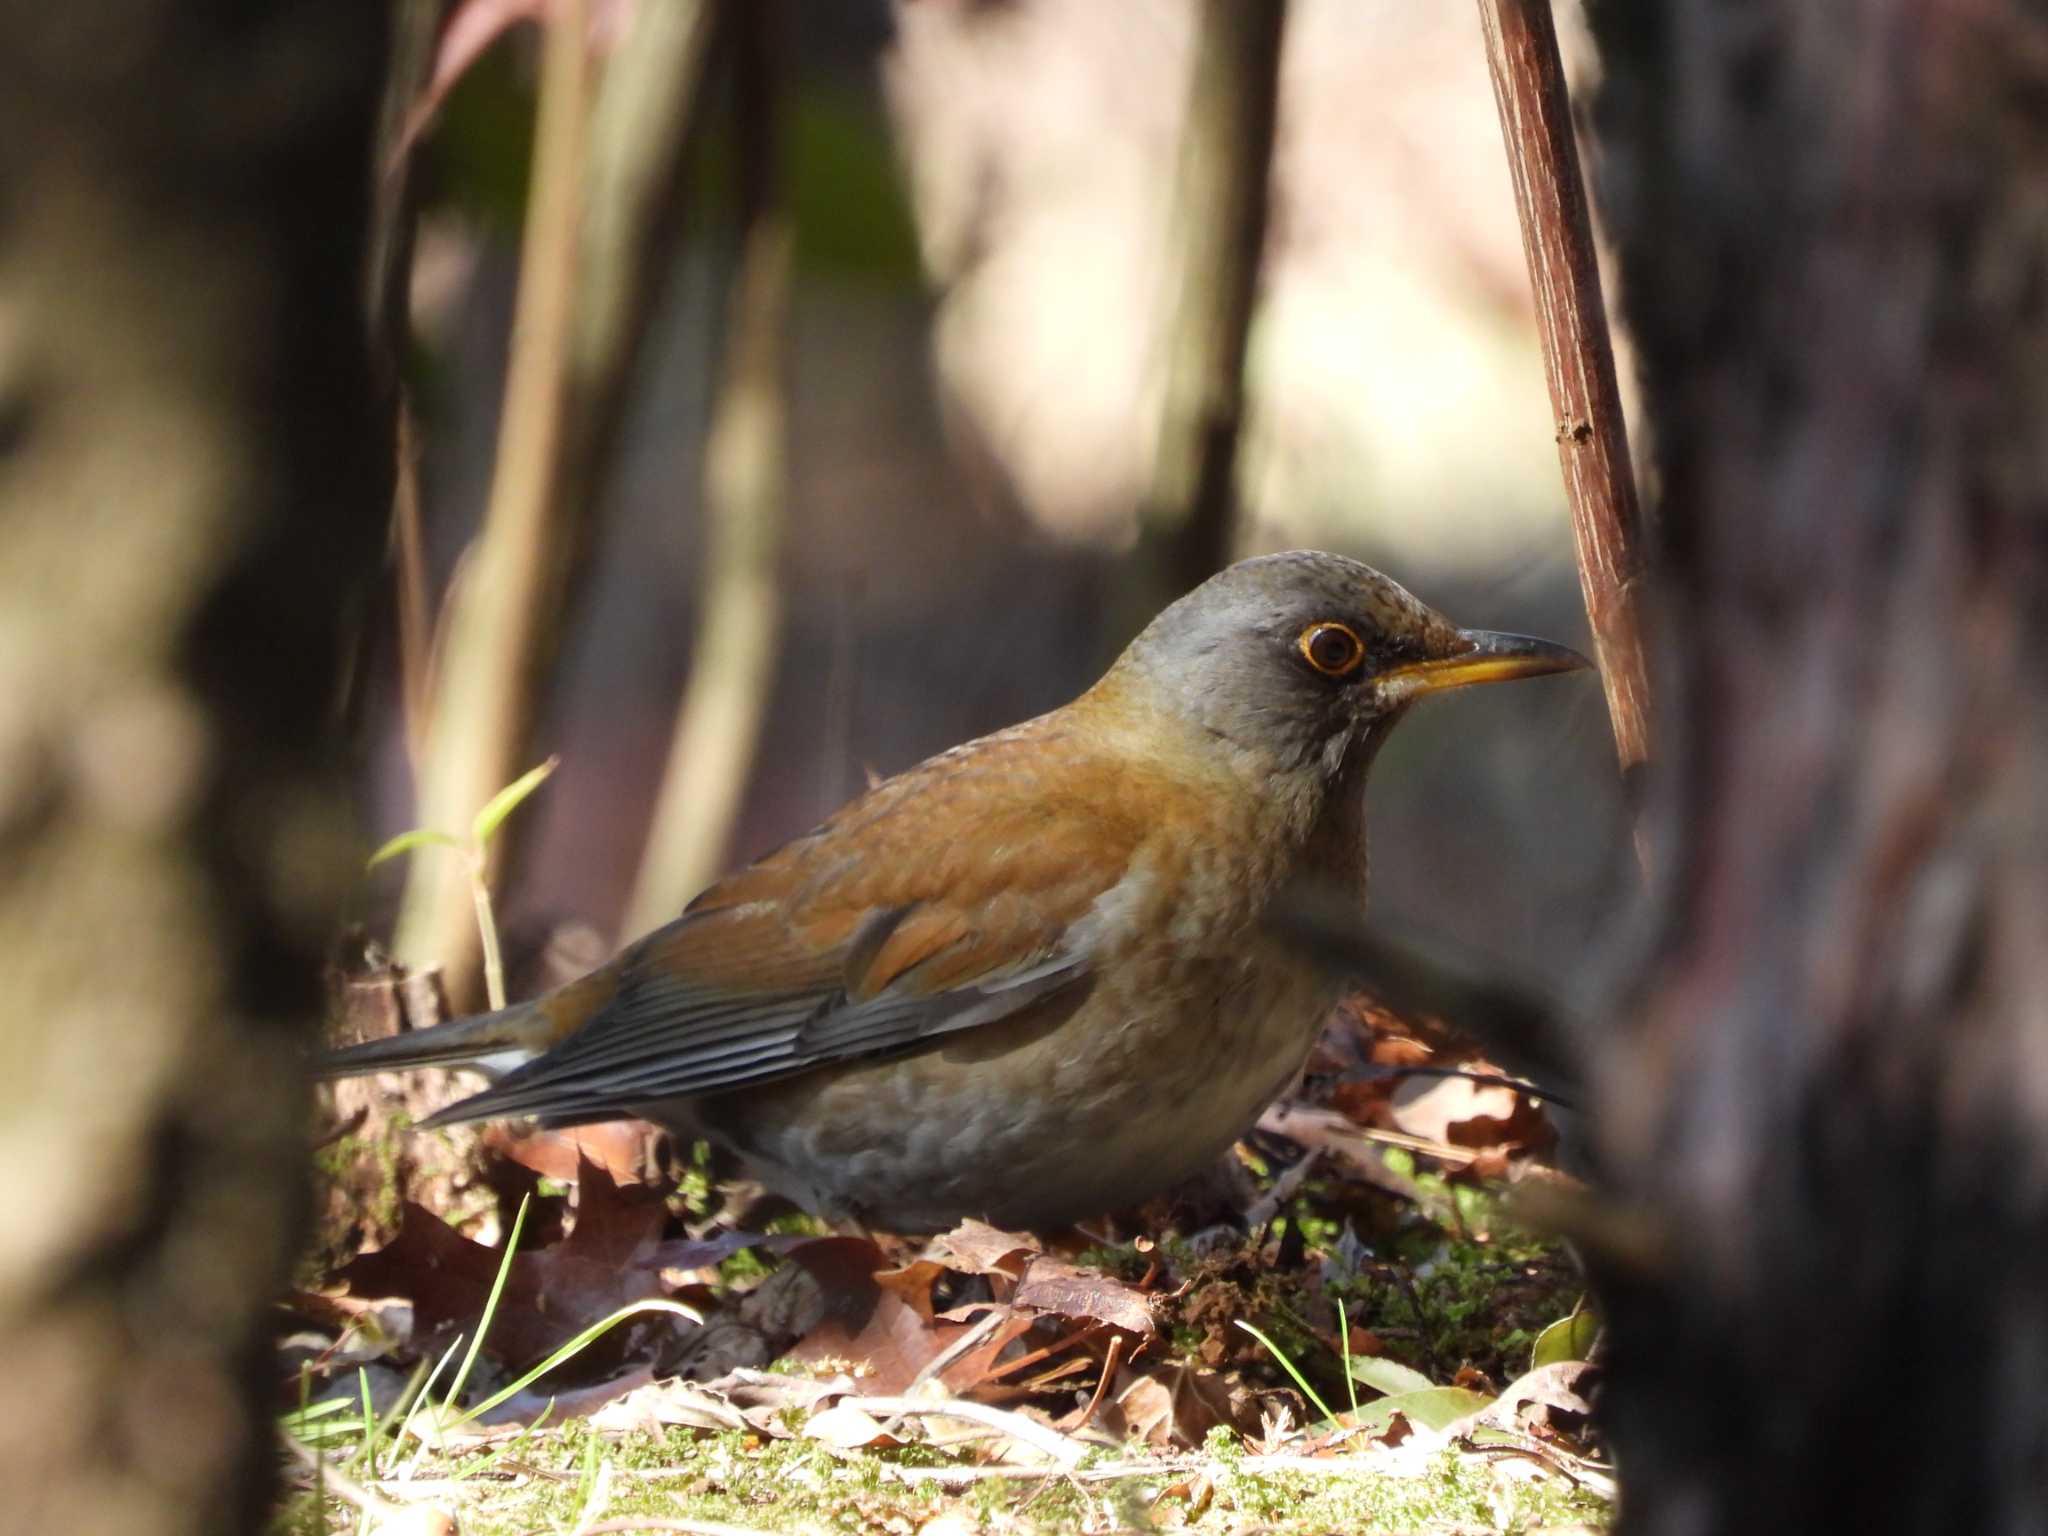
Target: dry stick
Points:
(414, 599)
(507, 610)
(1578, 359)
(732, 662)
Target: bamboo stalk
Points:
(625, 171)
(507, 609)
(732, 661)
(1578, 358)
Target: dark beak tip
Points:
(1539, 656)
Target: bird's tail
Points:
(494, 1042)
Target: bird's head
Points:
(1297, 659)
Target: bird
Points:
(1030, 979)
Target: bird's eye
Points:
(1333, 649)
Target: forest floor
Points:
(1346, 1329)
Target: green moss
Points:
(782, 1485)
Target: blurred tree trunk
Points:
(1188, 525)
(1828, 1115)
(191, 487)
(746, 452)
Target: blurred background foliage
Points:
(985, 267)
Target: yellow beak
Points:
(1480, 656)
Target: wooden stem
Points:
(506, 614)
(1578, 359)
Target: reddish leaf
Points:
(620, 1147)
(614, 1255)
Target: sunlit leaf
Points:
(1569, 1338)
(507, 800)
(1435, 1408)
(1388, 1376)
(406, 842)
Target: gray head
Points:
(1299, 657)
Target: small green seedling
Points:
(475, 850)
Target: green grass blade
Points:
(301, 1417)
(506, 1448)
(368, 1454)
(491, 1302)
(1344, 1339)
(426, 1395)
(1299, 1380)
(577, 1345)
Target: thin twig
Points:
(1575, 1469)
(982, 1327)
(1111, 1360)
(1578, 358)
(1065, 1452)
(1530, 1035)
(413, 596)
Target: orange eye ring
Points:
(1333, 649)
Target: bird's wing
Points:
(951, 896)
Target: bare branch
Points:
(599, 230)
(1578, 358)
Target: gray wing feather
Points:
(651, 1044)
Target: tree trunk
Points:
(1826, 1120)
(191, 486)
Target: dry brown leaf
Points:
(1054, 1285)
(976, 1248)
(847, 1427)
(855, 1319)
(1551, 1399)
(1173, 1405)
(622, 1148)
(614, 1255)
(1464, 1113)
(913, 1283)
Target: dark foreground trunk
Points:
(190, 483)
(1826, 1126)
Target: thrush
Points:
(1028, 980)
